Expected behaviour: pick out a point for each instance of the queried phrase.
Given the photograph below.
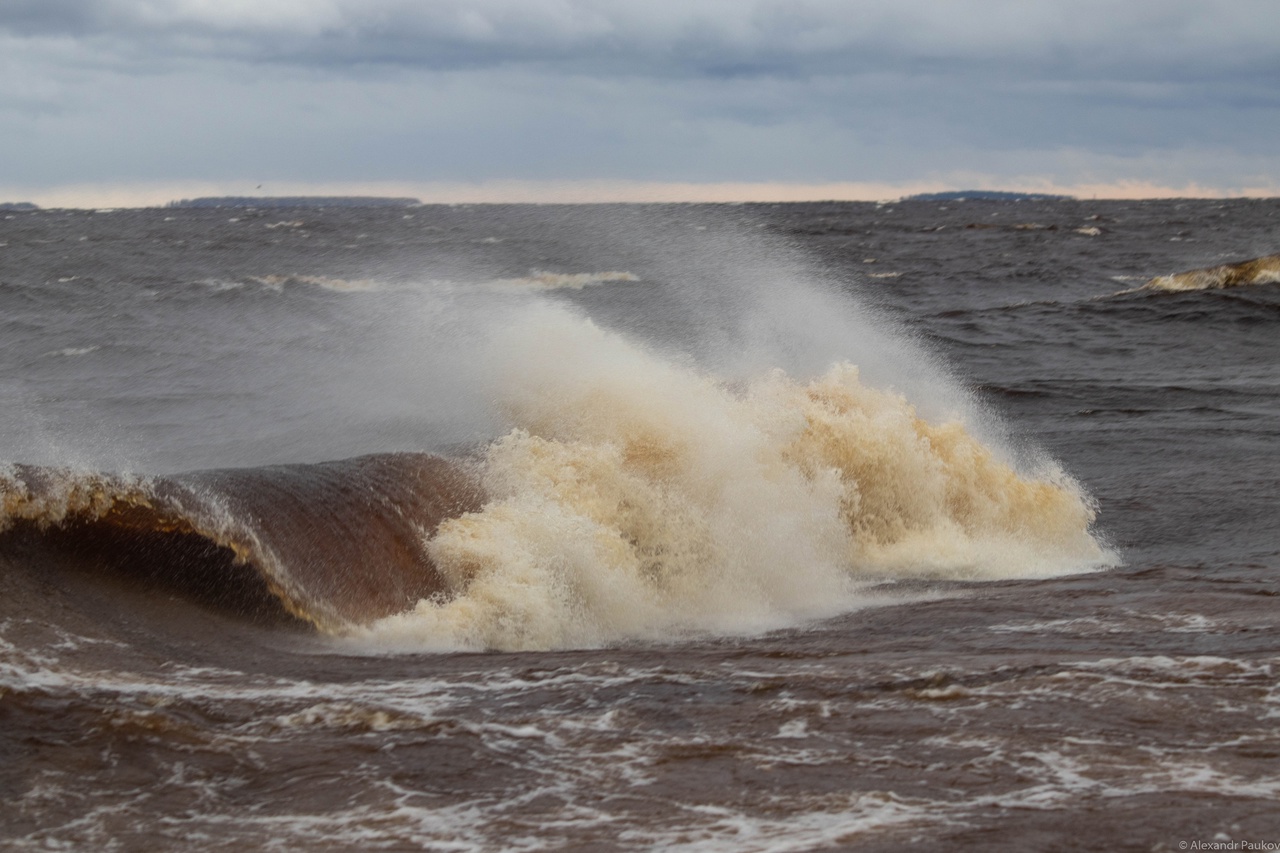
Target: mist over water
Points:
(175, 368)
(760, 469)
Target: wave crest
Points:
(1264, 270)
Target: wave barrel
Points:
(333, 544)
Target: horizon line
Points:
(155, 194)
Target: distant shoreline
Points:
(294, 201)
(987, 195)
(404, 203)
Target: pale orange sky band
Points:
(153, 194)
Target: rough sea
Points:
(842, 526)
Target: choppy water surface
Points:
(777, 527)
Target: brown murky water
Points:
(894, 666)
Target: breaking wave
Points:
(333, 545)
(629, 494)
(634, 497)
(637, 497)
(1264, 270)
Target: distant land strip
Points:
(296, 201)
(276, 202)
(987, 195)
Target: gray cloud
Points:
(57, 17)
(662, 90)
(1082, 39)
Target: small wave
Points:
(72, 352)
(1264, 270)
(279, 282)
(220, 284)
(566, 281)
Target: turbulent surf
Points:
(696, 528)
(636, 498)
(607, 483)
(632, 498)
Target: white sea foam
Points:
(538, 280)
(587, 760)
(278, 282)
(72, 352)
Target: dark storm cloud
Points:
(50, 17)
(1076, 40)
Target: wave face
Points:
(637, 497)
(1264, 270)
(334, 544)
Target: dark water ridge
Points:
(158, 689)
(277, 540)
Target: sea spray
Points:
(639, 497)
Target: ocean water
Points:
(760, 527)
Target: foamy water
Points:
(567, 281)
(637, 496)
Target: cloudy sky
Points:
(140, 101)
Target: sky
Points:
(136, 102)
